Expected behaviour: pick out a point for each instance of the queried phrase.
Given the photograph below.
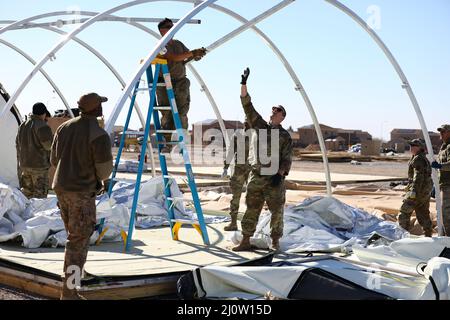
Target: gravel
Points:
(7, 293)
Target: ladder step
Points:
(166, 131)
(185, 221)
(168, 177)
(166, 143)
(163, 108)
(179, 199)
(143, 89)
(161, 84)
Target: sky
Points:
(347, 77)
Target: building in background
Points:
(341, 137)
(399, 138)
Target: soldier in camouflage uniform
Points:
(443, 165)
(33, 143)
(177, 56)
(81, 153)
(418, 189)
(240, 174)
(264, 184)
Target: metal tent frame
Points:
(198, 7)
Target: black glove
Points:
(436, 165)
(433, 193)
(275, 181)
(245, 76)
(198, 53)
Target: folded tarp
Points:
(38, 222)
(321, 279)
(411, 269)
(325, 224)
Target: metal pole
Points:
(76, 31)
(249, 24)
(412, 97)
(159, 46)
(45, 74)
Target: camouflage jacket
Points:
(444, 160)
(264, 130)
(33, 143)
(82, 155)
(419, 175)
(239, 140)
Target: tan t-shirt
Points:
(177, 69)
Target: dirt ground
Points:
(376, 167)
(7, 293)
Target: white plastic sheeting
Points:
(255, 282)
(38, 222)
(325, 224)
(152, 209)
(8, 132)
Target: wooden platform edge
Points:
(107, 290)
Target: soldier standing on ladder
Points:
(177, 56)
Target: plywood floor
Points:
(153, 252)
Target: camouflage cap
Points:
(91, 101)
(417, 143)
(444, 127)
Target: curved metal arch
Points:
(407, 87)
(105, 62)
(298, 86)
(84, 26)
(120, 79)
(294, 77)
(45, 74)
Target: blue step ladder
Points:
(175, 224)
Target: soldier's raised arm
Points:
(253, 117)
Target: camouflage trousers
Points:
(79, 216)
(260, 190)
(445, 198)
(237, 181)
(34, 182)
(421, 206)
(182, 98)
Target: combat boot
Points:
(428, 232)
(233, 224)
(275, 246)
(244, 245)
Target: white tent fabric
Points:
(8, 132)
(325, 224)
(255, 282)
(38, 222)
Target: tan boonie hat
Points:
(444, 127)
(91, 101)
(417, 142)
